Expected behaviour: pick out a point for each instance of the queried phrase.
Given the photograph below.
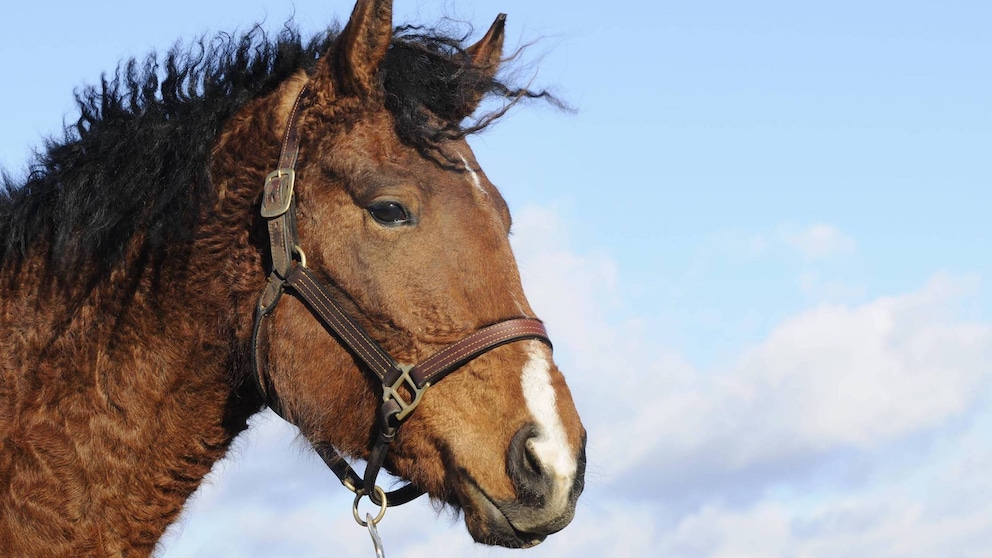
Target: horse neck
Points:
(112, 412)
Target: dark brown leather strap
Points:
(431, 370)
(277, 196)
(327, 310)
(441, 364)
(278, 208)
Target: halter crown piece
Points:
(290, 273)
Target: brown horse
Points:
(133, 258)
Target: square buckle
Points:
(392, 392)
(278, 193)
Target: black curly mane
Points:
(136, 160)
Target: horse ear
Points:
(486, 56)
(488, 52)
(363, 45)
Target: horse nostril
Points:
(532, 461)
(524, 467)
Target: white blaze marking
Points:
(551, 445)
(473, 176)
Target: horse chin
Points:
(488, 524)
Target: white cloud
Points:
(857, 375)
(875, 524)
(815, 287)
(819, 241)
(761, 532)
(831, 378)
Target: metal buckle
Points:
(278, 193)
(392, 392)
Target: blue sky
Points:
(766, 223)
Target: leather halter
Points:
(290, 273)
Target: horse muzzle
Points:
(545, 498)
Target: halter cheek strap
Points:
(290, 273)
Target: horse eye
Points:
(389, 213)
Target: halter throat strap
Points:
(402, 386)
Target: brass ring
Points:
(350, 485)
(382, 508)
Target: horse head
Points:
(394, 215)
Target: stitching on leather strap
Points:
(475, 345)
(356, 339)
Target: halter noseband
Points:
(290, 272)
